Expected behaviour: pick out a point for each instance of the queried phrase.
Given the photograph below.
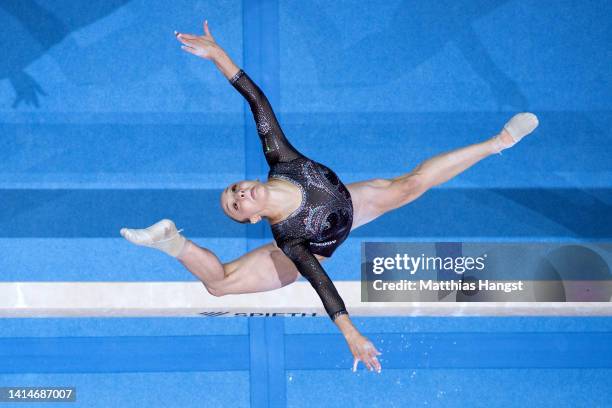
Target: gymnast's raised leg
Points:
(373, 198)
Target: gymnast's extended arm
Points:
(310, 268)
(275, 145)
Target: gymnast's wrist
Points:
(225, 64)
(218, 54)
(346, 326)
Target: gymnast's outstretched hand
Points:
(363, 350)
(203, 46)
(206, 47)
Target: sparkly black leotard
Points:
(324, 218)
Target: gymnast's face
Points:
(244, 200)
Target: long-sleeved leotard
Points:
(324, 218)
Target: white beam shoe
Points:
(162, 235)
(518, 127)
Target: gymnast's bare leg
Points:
(262, 269)
(373, 198)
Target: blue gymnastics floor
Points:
(105, 123)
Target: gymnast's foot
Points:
(161, 235)
(517, 128)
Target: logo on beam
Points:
(259, 314)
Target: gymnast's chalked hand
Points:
(201, 45)
(364, 350)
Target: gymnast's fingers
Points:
(186, 36)
(186, 41)
(207, 30)
(189, 49)
(363, 356)
(375, 364)
(355, 363)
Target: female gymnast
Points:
(310, 211)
